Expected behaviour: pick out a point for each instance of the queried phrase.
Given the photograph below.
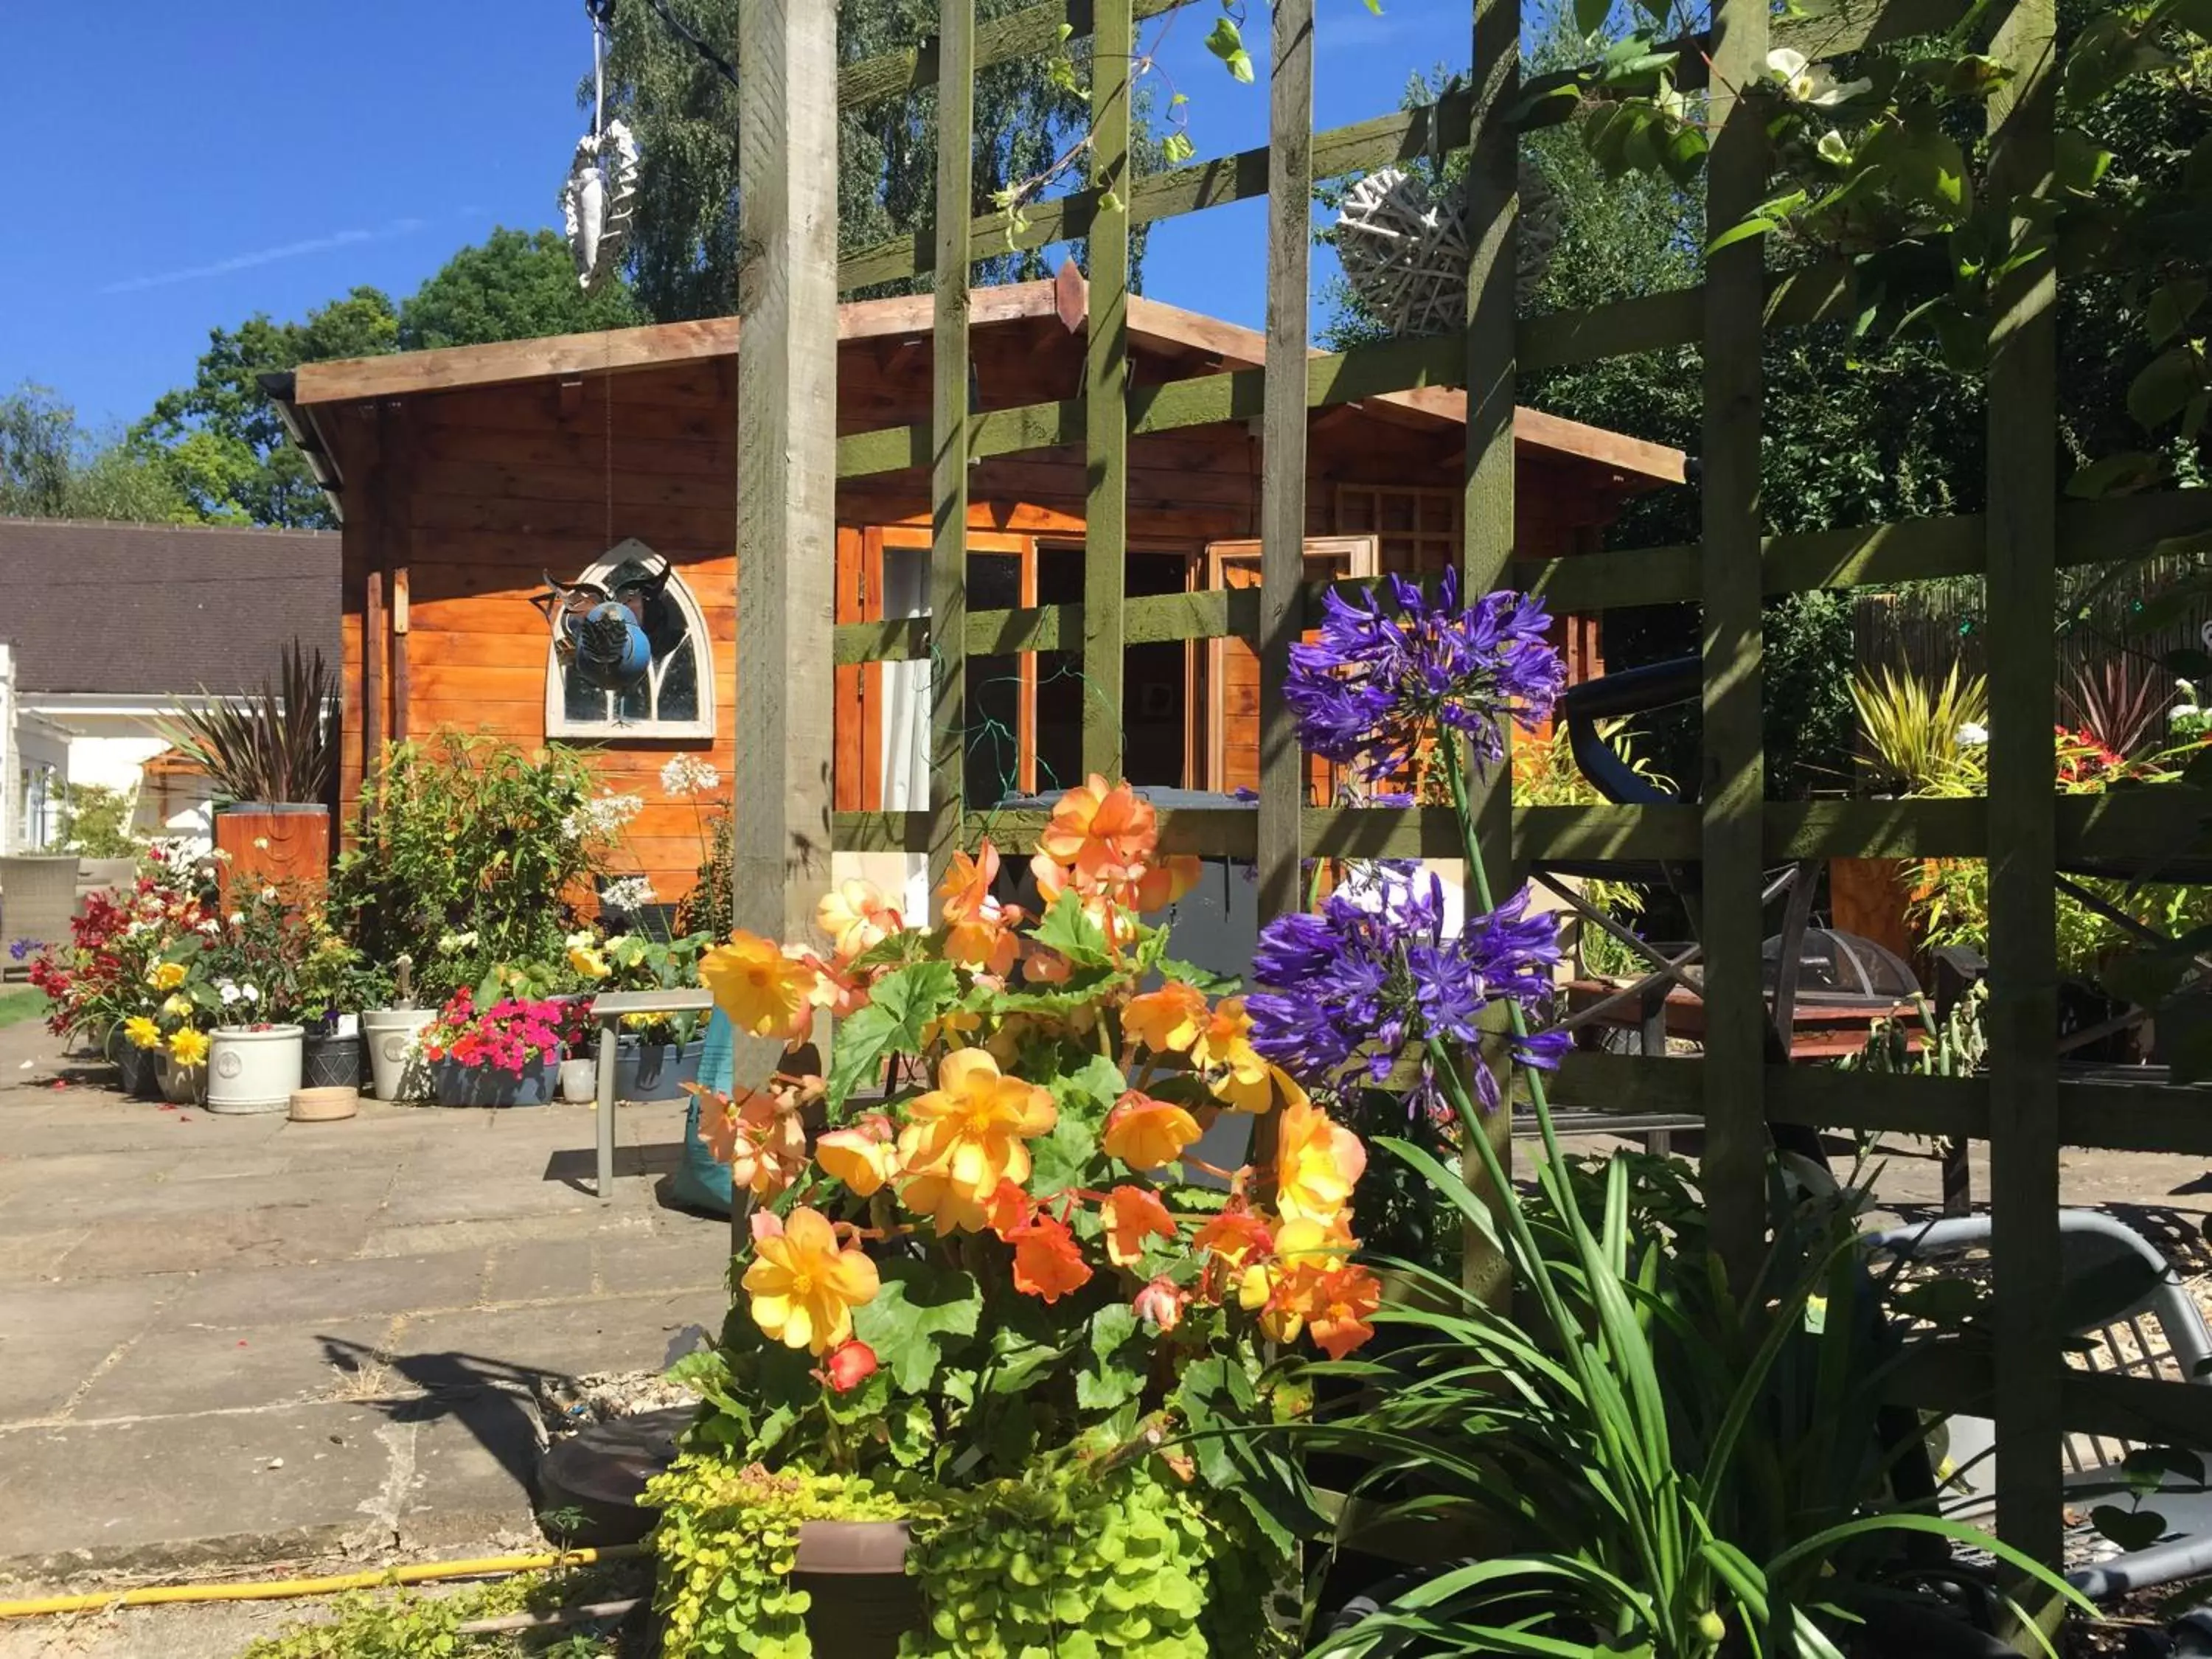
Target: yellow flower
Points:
(142, 1032)
(587, 962)
(1144, 1134)
(968, 1134)
(167, 975)
(863, 1158)
(856, 918)
(188, 1047)
(803, 1287)
(1168, 1020)
(764, 991)
(1231, 1066)
(177, 1006)
(1318, 1165)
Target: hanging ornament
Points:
(600, 193)
(1405, 252)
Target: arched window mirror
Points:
(676, 697)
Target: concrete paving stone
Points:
(205, 1370)
(539, 1270)
(62, 1204)
(110, 1311)
(328, 1290)
(507, 1347)
(428, 1190)
(262, 1164)
(249, 1486)
(243, 1238)
(40, 1375)
(695, 1258)
(433, 1237)
(35, 1256)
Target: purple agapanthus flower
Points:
(1380, 679)
(1342, 993)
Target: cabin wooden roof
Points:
(1205, 344)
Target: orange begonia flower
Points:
(1311, 1284)
(1144, 1133)
(856, 917)
(1162, 1301)
(864, 1157)
(1166, 882)
(757, 1133)
(1131, 1215)
(1234, 1236)
(1047, 1263)
(837, 987)
(966, 889)
(764, 991)
(1318, 1165)
(804, 1288)
(984, 944)
(1104, 836)
(1008, 1210)
(1166, 1021)
(967, 1135)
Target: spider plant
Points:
(1925, 742)
(278, 744)
(1665, 1466)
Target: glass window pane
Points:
(679, 687)
(991, 727)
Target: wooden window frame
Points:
(560, 724)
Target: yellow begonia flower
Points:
(1166, 1021)
(167, 975)
(804, 1288)
(764, 993)
(1144, 1133)
(966, 1135)
(587, 962)
(1231, 1066)
(188, 1047)
(1318, 1163)
(856, 918)
(177, 1006)
(864, 1158)
(142, 1032)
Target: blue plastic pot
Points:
(485, 1085)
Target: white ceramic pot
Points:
(579, 1079)
(253, 1069)
(396, 1066)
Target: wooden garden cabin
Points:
(463, 475)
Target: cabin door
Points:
(1232, 696)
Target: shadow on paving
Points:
(495, 1399)
(578, 1169)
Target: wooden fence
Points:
(792, 457)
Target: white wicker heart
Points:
(597, 200)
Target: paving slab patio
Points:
(242, 1340)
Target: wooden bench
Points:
(608, 1009)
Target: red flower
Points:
(849, 1364)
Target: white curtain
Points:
(906, 713)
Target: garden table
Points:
(608, 1009)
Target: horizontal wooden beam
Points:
(1337, 152)
(1022, 33)
(2089, 532)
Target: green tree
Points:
(50, 467)
(514, 285)
(683, 249)
(222, 440)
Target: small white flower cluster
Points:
(1973, 734)
(231, 992)
(602, 819)
(687, 774)
(1804, 81)
(626, 894)
(452, 945)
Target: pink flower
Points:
(849, 1364)
(1161, 1303)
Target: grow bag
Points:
(700, 1182)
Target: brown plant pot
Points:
(298, 850)
(862, 1600)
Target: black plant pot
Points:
(330, 1062)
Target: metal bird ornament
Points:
(602, 633)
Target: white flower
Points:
(221, 854)
(249, 992)
(687, 774)
(603, 817)
(229, 991)
(1973, 733)
(261, 843)
(210, 927)
(1833, 149)
(627, 894)
(138, 927)
(269, 894)
(454, 944)
(1804, 81)
(582, 940)
(238, 918)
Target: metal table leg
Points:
(605, 1079)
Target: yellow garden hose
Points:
(488, 1566)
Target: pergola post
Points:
(786, 471)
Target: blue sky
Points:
(203, 163)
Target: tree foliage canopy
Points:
(50, 467)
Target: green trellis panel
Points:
(2022, 1107)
